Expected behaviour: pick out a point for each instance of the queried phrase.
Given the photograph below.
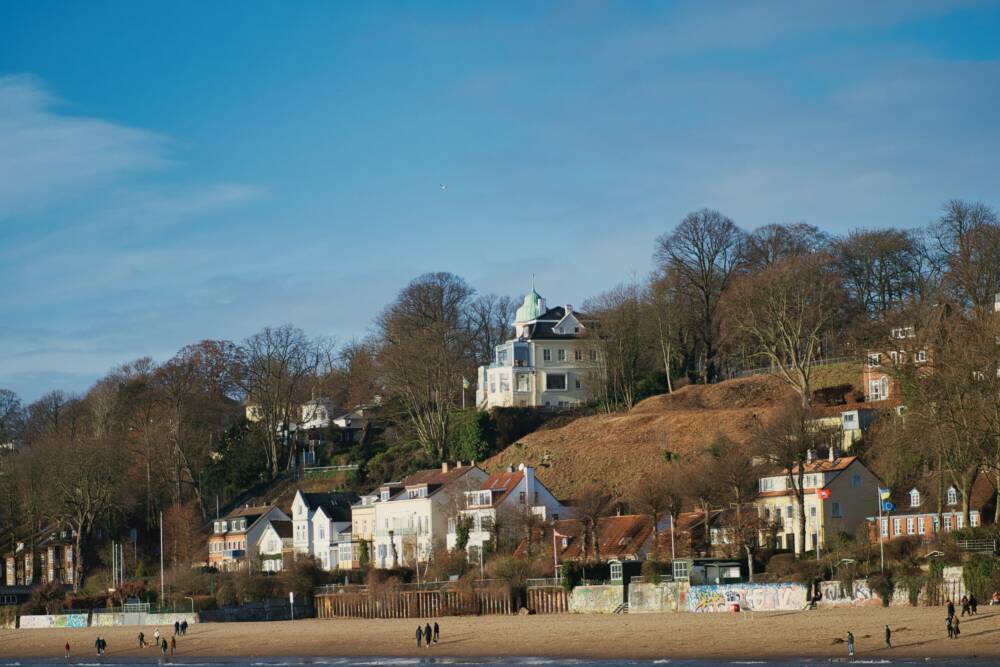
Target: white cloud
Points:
(46, 156)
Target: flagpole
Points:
(881, 542)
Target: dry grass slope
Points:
(616, 448)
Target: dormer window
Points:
(914, 498)
(420, 492)
(952, 496)
(384, 496)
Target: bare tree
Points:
(425, 349)
(593, 503)
(617, 331)
(784, 312)
(705, 251)
(655, 493)
(774, 243)
(881, 269)
(276, 366)
(490, 319)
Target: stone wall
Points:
(750, 597)
(657, 598)
(596, 599)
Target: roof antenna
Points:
(532, 282)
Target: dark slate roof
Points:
(336, 504)
(929, 485)
(282, 528)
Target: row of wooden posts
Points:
(430, 604)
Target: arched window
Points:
(952, 496)
(914, 498)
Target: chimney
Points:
(569, 308)
(510, 468)
(810, 455)
(833, 452)
(444, 466)
(529, 484)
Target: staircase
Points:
(621, 609)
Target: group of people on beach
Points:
(180, 628)
(427, 635)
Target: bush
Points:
(651, 570)
(46, 598)
(884, 586)
(913, 584)
(981, 575)
(446, 564)
(570, 574)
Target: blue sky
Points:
(177, 171)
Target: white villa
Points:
(273, 544)
(499, 498)
(411, 517)
(321, 525)
(547, 363)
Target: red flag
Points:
(823, 493)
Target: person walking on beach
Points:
(888, 636)
(437, 632)
(163, 647)
(420, 635)
(67, 650)
(177, 627)
(951, 628)
(951, 609)
(850, 644)
(957, 631)
(156, 636)
(973, 604)
(173, 645)
(965, 605)
(142, 640)
(184, 627)
(427, 635)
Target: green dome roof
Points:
(530, 309)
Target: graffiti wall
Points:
(657, 598)
(596, 599)
(49, 621)
(860, 595)
(750, 597)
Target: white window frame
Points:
(914, 498)
(952, 496)
(546, 354)
(885, 528)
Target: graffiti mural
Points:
(860, 594)
(749, 597)
(48, 621)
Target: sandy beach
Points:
(918, 633)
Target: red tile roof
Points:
(619, 537)
(503, 482)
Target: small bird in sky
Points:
(443, 186)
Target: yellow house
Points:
(363, 528)
(840, 493)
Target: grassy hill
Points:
(616, 448)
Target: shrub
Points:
(981, 575)
(883, 585)
(912, 584)
(46, 598)
(570, 575)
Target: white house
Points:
(235, 536)
(547, 363)
(274, 543)
(411, 517)
(497, 501)
(320, 522)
